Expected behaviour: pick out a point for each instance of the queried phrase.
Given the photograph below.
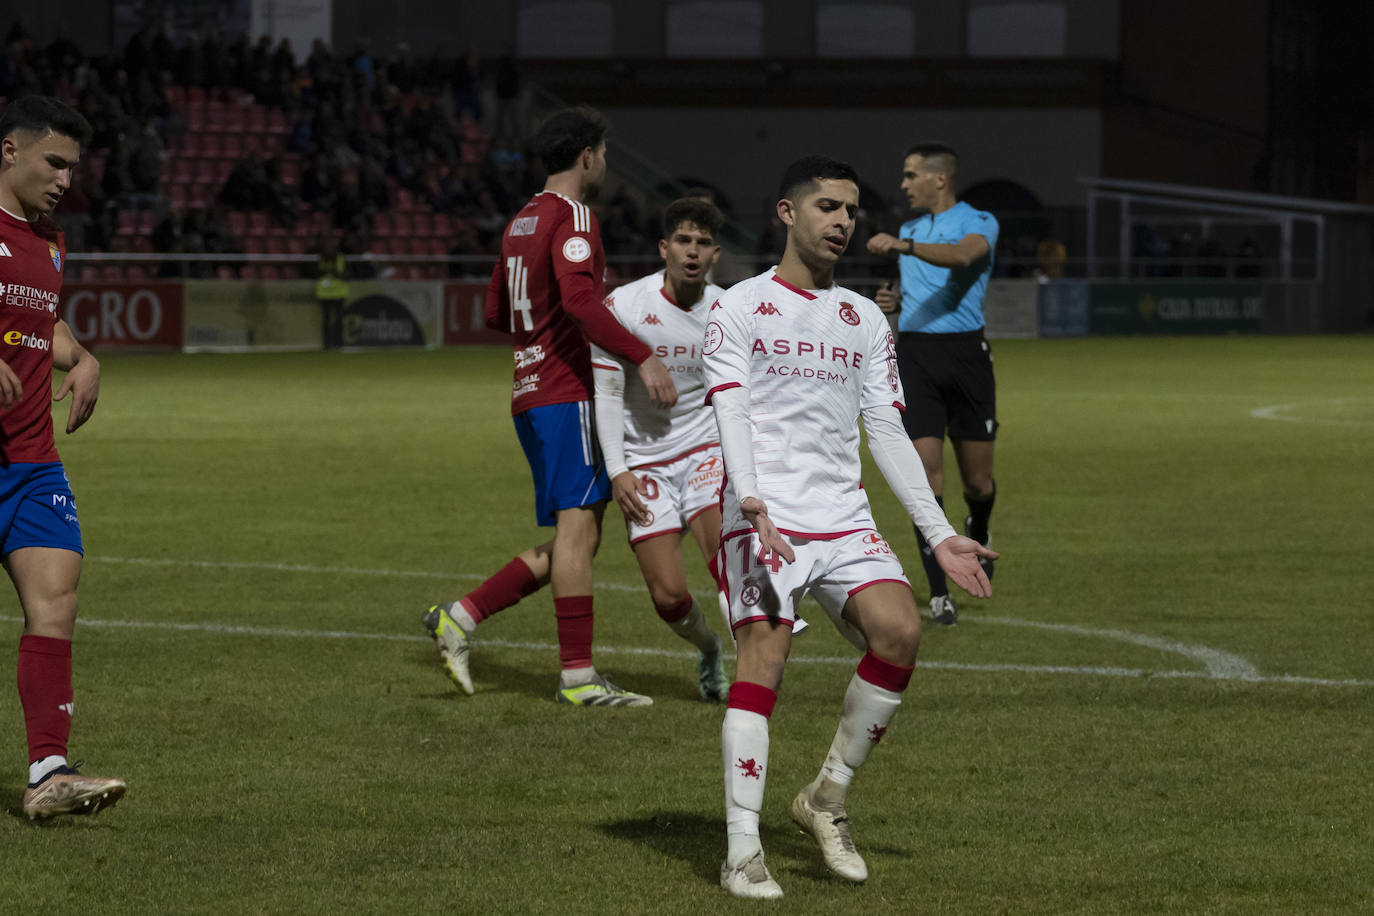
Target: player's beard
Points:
(590, 191)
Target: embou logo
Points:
(20, 339)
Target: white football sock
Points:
(744, 743)
(696, 630)
(571, 677)
(459, 612)
(868, 709)
(41, 768)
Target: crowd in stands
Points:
(206, 147)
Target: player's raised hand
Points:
(83, 383)
(11, 389)
(770, 538)
(662, 391)
(883, 243)
(626, 488)
(958, 557)
(886, 298)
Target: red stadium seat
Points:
(177, 196)
(383, 226)
(209, 145)
(296, 245)
(147, 219)
(207, 170)
(423, 223)
(195, 94)
(443, 225)
(403, 226)
(254, 245)
(405, 201)
(232, 146)
(238, 223)
(127, 223)
(257, 223)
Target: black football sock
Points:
(980, 510)
(934, 574)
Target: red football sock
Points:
(574, 630)
(45, 690)
(511, 583)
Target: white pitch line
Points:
(1281, 412)
(1219, 664)
(1089, 671)
(326, 570)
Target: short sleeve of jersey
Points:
(977, 222)
(725, 345)
(575, 242)
(882, 384)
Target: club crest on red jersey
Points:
(56, 256)
(847, 314)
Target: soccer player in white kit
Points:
(792, 363)
(664, 464)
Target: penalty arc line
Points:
(1219, 664)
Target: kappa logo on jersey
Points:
(876, 545)
(5, 251)
(750, 768)
(56, 256)
(524, 225)
(847, 314)
(20, 339)
(767, 308)
(714, 305)
(651, 318)
(715, 336)
(577, 249)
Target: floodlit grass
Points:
(1145, 514)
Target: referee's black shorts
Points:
(948, 383)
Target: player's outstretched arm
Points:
(83, 375)
(900, 465)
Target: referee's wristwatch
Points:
(910, 246)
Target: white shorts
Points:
(762, 587)
(678, 491)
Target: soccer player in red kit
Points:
(40, 143)
(547, 292)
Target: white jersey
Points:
(654, 435)
(812, 361)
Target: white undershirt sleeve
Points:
(901, 467)
(736, 440)
(609, 387)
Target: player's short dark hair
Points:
(942, 158)
(698, 211)
(563, 137)
(811, 169)
(41, 113)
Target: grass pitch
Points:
(1165, 708)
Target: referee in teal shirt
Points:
(945, 257)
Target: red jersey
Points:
(31, 257)
(547, 293)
